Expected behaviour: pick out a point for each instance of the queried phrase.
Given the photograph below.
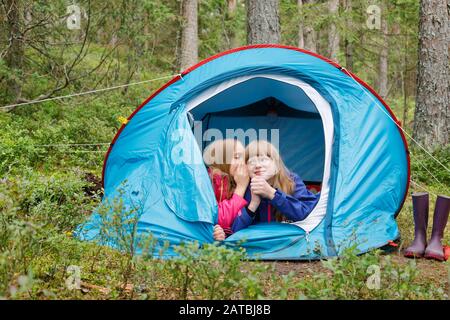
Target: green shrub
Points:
(57, 200)
(213, 271)
(351, 278)
(426, 170)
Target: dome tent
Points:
(333, 130)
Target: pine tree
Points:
(432, 113)
(263, 22)
(189, 34)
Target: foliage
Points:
(351, 278)
(36, 212)
(220, 29)
(426, 170)
(212, 271)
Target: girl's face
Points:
(238, 157)
(262, 166)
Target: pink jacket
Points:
(228, 208)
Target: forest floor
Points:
(430, 271)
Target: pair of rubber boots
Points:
(434, 249)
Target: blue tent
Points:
(332, 128)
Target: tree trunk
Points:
(263, 22)
(333, 34)
(404, 92)
(322, 46)
(383, 60)
(189, 34)
(348, 43)
(432, 112)
(309, 34)
(231, 11)
(301, 39)
(15, 51)
(146, 30)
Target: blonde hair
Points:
(218, 156)
(281, 180)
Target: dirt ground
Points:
(430, 271)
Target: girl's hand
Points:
(241, 178)
(218, 234)
(254, 202)
(260, 187)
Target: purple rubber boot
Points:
(420, 209)
(434, 249)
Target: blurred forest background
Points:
(52, 150)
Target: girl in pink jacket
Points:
(229, 176)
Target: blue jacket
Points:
(295, 207)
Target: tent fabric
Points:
(363, 155)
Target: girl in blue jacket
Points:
(274, 194)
